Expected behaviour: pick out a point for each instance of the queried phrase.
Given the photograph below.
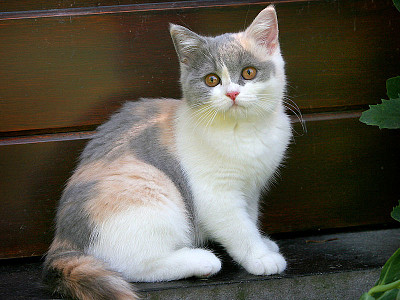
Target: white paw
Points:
(268, 264)
(272, 246)
(205, 263)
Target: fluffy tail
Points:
(74, 274)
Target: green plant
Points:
(397, 4)
(386, 114)
(388, 285)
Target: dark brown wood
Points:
(84, 8)
(72, 72)
(29, 9)
(49, 5)
(342, 173)
(32, 178)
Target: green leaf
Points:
(391, 270)
(385, 115)
(390, 295)
(397, 4)
(366, 296)
(395, 214)
(393, 85)
(381, 290)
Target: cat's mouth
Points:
(237, 109)
(237, 104)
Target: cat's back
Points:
(137, 124)
(130, 154)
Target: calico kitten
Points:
(163, 176)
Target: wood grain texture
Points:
(341, 173)
(72, 72)
(32, 179)
(32, 9)
(28, 5)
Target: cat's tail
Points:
(79, 276)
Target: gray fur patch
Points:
(73, 222)
(146, 148)
(107, 142)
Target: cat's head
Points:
(239, 74)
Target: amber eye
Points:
(212, 80)
(249, 73)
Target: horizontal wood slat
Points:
(20, 10)
(72, 72)
(341, 173)
(70, 136)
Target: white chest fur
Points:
(239, 156)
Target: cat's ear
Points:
(186, 42)
(264, 30)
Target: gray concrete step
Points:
(328, 266)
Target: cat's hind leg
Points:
(143, 226)
(153, 245)
(182, 263)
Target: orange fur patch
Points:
(128, 181)
(167, 127)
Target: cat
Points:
(163, 176)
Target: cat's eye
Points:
(212, 80)
(249, 73)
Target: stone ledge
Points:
(340, 285)
(330, 266)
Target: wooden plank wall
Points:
(65, 66)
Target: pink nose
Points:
(232, 95)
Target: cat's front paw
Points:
(272, 246)
(268, 264)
